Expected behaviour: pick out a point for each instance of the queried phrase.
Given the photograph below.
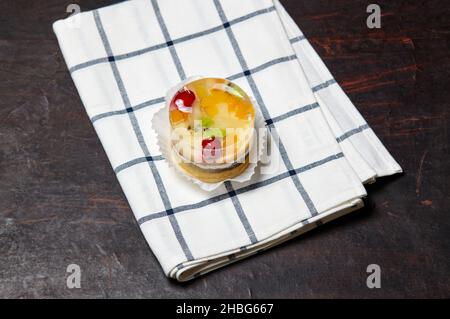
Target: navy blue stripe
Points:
(140, 138)
(264, 109)
(137, 161)
(240, 212)
(165, 31)
(241, 190)
(161, 99)
(352, 132)
(130, 109)
(292, 113)
(268, 122)
(164, 45)
(297, 39)
(262, 67)
(323, 85)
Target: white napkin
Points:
(124, 57)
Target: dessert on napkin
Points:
(212, 122)
(123, 59)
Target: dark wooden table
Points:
(60, 202)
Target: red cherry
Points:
(207, 141)
(183, 100)
(211, 149)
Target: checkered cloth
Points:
(123, 58)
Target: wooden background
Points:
(60, 202)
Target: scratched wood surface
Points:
(60, 202)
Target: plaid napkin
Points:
(123, 58)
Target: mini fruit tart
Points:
(212, 129)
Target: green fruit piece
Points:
(214, 132)
(206, 121)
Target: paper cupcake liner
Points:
(161, 126)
